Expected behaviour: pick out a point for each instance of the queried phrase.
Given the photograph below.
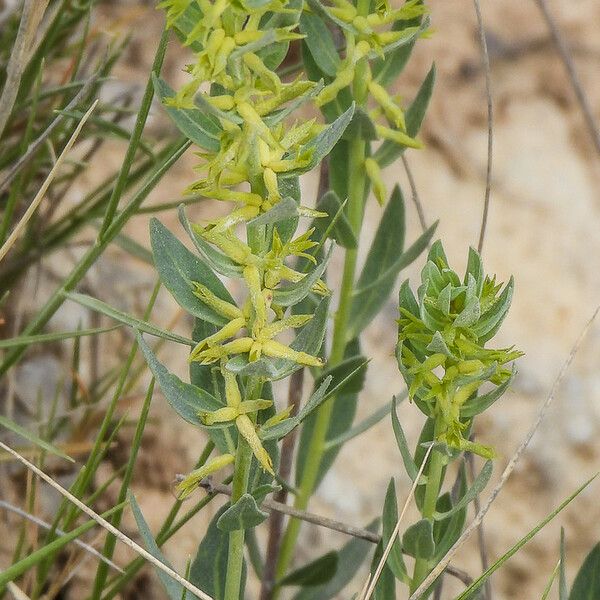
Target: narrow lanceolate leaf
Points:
(418, 541)
(389, 519)
(286, 208)
(117, 315)
(320, 146)
(244, 514)
(209, 568)
(203, 129)
(215, 259)
(317, 572)
(351, 556)
(386, 584)
(366, 303)
(179, 268)
(473, 589)
(186, 399)
(30, 437)
(295, 292)
(43, 338)
(320, 43)
(476, 488)
(409, 464)
(341, 230)
(173, 588)
(281, 429)
(389, 151)
(382, 266)
(587, 582)
(309, 340)
(480, 403)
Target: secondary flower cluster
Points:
(441, 344)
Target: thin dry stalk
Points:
(414, 192)
(12, 238)
(565, 55)
(106, 525)
(33, 12)
(485, 59)
(372, 581)
(41, 523)
(510, 467)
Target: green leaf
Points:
(213, 257)
(320, 146)
(34, 439)
(418, 541)
(480, 403)
(587, 581)
(186, 399)
(173, 588)
(409, 464)
(284, 209)
(387, 69)
(244, 514)
(588, 578)
(389, 151)
(209, 568)
(342, 231)
(178, 268)
(281, 429)
(296, 292)
(361, 126)
(366, 424)
(389, 519)
(117, 315)
(385, 280)
(203, 129)
(350, 557)
(320, 43)
(386, 584)
(28, 340)
(476, 488)
(317, 572)
(384, 262)
(563, 590)
(348, 378)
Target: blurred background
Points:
(543, 228)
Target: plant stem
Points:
(432, 491)
(235, 559)
(356, 197)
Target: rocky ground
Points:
(543, 224)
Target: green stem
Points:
(235, 558)
(432, 491)
(356, 197)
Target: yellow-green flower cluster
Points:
(441, 345)
(231, 81)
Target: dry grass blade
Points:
(485, 59)
(567, 59)
(106, 525)
(372, 581)
(41, 523)
(33, 12)
(44, 188)
(16, 592)
(510, 467)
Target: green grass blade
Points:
(140, 122)
(34, 439)
(476, 585)
(43, 338)
(141, 325)
(33, 559)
